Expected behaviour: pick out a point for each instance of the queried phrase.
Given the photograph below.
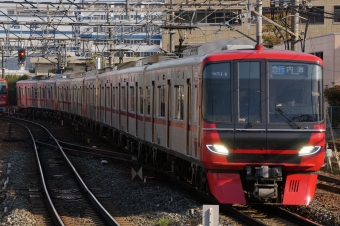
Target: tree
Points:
(332, 95)
(12, 87)
(273, 35)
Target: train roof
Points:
(27, 81)
(192, 60)
(262, 54)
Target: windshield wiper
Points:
(250, 123)
(289, 120)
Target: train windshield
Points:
(3, 89)
(217, 88)
(295, 92)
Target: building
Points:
(199, 22)
(327, 47)
(101, 28)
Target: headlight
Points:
(218, 149)
(309, 150)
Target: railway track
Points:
(241, 214)
(329, 184)
(244, 214)
(69, 200)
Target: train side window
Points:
(91, 96)
(179, 102)
(48, 93)
(161, 101)
(132, 99)
(148, 100)
(93, 101)
(107, 96)
(35, 93)
(114, 97)
(79, 94)
(140, 100)
(102, 96)
(123, 99)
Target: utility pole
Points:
(2, 61)
(110, 48)
(259, 23)
(295, 25)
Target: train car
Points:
(91, 83)
(77, 97)
(245, 125)
(63, 94)
(3, 95)
(46, 91)
(263, 128)
(27, 94)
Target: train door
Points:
(127, 101)
(119, 105)
(94, 102)
(73, 99)
(113, 106)
(249, 105)
(44, 97)
(153, 112)
(108, 104)
(101, 103)
(26, 97)
(188, 118)
(168, 115)
(91, 101)
(135, 108)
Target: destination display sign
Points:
(297, 70)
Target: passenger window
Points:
(161, 102)
(179, 102)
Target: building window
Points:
(336, 13)
(315, 17)
(318, 54)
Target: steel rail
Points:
(55, 214)
(105, 214)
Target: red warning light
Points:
(21, 56)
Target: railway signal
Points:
(21, 56)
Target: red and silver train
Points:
(3, 95)
(245, 125)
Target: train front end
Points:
(263, 127)
(3, 96)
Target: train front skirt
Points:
(227, 188)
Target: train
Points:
(3, 96)
(245, 125)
